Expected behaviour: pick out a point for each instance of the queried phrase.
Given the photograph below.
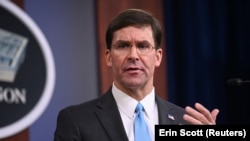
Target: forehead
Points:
(133, 34)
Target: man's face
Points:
(133, 69)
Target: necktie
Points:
(140, 127)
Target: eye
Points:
(123, 46)
(142, 46)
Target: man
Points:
(133, 41)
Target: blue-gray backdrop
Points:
(69, 27)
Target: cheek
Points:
(115, 61)
(151, 63)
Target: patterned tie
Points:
(140, 127)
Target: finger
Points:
(211, 116)
(215, 113)
(191, 120)
(204, 111)
(196, 115)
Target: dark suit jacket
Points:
(99, 120)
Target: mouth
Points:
(133, 69)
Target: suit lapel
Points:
(109, 116)
(166, 113)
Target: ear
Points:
(158, 56)
(108, 58)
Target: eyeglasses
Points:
(124, 48)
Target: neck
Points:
(136, 93)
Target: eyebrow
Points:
(123, 42)
(129, 42)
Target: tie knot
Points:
(139, 108)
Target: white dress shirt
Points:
(126, 105)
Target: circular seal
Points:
(27, 70)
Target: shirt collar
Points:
(123, 99)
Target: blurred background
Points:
(206, 43)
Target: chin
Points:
(133, 84)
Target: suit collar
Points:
(110, 118)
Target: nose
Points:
(133, 54)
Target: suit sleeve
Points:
(66, 128)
